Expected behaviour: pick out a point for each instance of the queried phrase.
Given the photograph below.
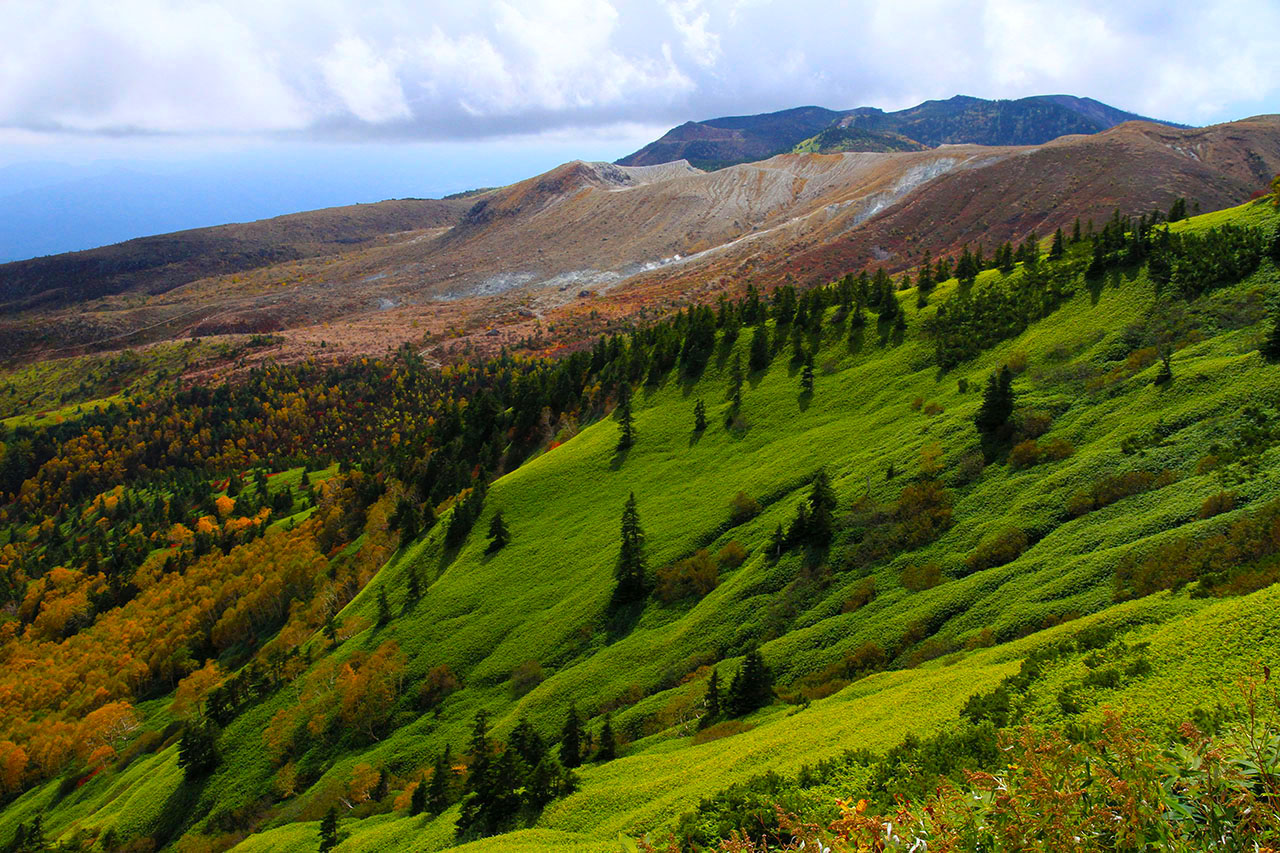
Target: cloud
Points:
(439, 70)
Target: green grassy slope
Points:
(545, 596)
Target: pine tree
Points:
(571, 740)
(198, 750)
(632, 584)
(806, 375)
(777, 542)
(820, 521)
(1164, 377)
(527, 743)
(437, 793)
(329, 830)
(627, 434)
(414, 591)
(499, 536)
(1271, 346)
(1059, 247)
(752, 686)
(712, 701)
(760, 352)
(418, 802)
(384, 607)
(735, 383)
(608, 748)
(1075, 232)
(699, 416)
(997, 403)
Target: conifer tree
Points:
(499, 536)
(630, 572)
(1271, 345)
(418, 802)
(712, 701)
(608, 748)
(735, 382)
(627, 434)
(414, 591)
(437, 793)
(820, 518)
(329, 830)
(1075, 232)
(760, 350)
(752, 685)
(806, 375)
(1058, 249)
(997, 403)
(777, 541)
(527, 743)
(699, 416)
(1164, 377)
(571, 740)
(384, 607)
(198, 749)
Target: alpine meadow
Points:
(851, 480)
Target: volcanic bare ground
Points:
(555, 259)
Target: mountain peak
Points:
(719, 142)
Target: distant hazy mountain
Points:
(721, 142)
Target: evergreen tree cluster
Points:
(505, 783)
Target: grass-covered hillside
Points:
(1113, 523)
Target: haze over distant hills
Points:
(720, 142)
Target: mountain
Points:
(557, 258)
(153, 265)
(722, 142)
(718, 143)
(1011, 536)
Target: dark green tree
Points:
(329, 830)
(1270, 348)
(752, 685)
(806, 375)
(437, 796)
(198, 749)
(735, 383)
(571, 740)
(418, 802)
(627, 432)
(1059, 248)
(630, 572)
(760, 351)
(997, 403)
(607, 750)
(527, 743)
(712, 700)
(820, 522)
(1164, 377)
(384, 607)
(1178, 210)
(777, 542)
(499, 536)
(699, 416)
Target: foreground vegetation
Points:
(900, 545)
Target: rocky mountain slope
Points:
(721, 142)
(554, 259)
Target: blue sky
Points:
(141, 116)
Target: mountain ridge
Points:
(719, 142)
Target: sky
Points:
(141, 116)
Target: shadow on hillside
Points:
(619, 456)
(855, 341)
(805, 400)
(621, 619)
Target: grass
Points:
(545, 596)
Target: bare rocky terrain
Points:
(557, 258)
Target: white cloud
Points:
(364, 81)
(441, 69)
